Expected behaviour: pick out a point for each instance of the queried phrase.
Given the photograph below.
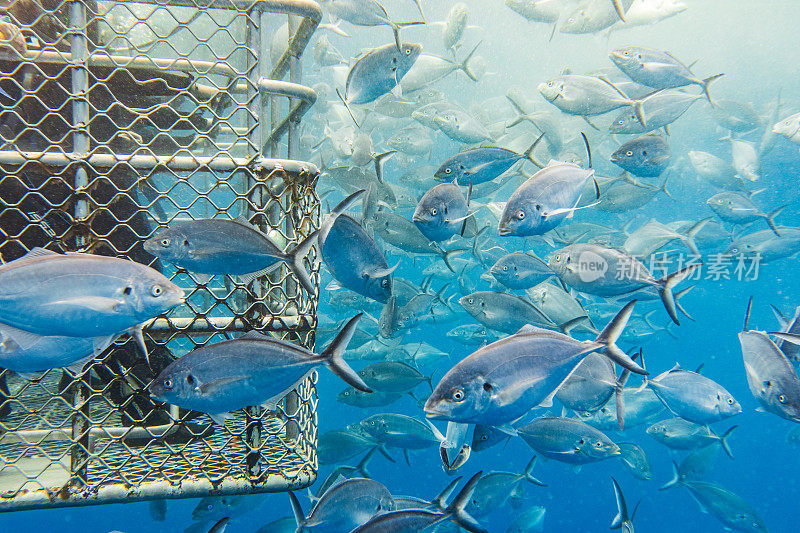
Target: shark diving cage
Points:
(118, 119)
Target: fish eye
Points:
(638, 56)
(620, 122)
(127, 290)
(470, 300)
(505, 269)
(447, 171)
(458, 395)
(156, 291)
(408, 51)
(484, 437)
(782, 398)
(598, 444)
(209, 507)
(186, 242)
(629, 153)
(165, 243)
(521, 214)
(168, 386)
(190, 381)
(730, 401)
(385, 283)
(434, 211)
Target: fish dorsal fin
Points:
(254, 335)
(220, 418)
(381, 272)
(528, 328)
(38, 252)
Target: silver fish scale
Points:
(134, 117)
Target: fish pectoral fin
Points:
(508, 429)
(654, 65)
(381, 272)
(29, 376)
(76, 368)
(100, 344)
(219, 418)
(24, 339)
(95, 303)
(247, 278)
(214, 386)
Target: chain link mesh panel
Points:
(118, 119)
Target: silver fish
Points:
(568, 440)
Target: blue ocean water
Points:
(751, 43)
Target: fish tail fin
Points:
(706, 82)
(620, 9)
(619, 388)
(677, 478)
(569, 325)
(440, 501)
(379, 159)
(347, 106)
(638, 110)
(469, 198)
(419, 6)
(529, 473)
(397, 26)
(447, 254)
(622, 507)
(297, 510)
(667, 283)
(771, 219)
(678, 296)
(456, 510)
(528, 154)
(608, 337)
(295, 257)
(723, 440)
(663, 187)
(691, 233)
(747, 314)
(333, 356)
(464, 65)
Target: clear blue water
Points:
(752, 43)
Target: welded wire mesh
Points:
(118, 119)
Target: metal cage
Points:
(116, 119)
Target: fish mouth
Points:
(615, 55)
(504, 231)
(417, 218)
(435, 415)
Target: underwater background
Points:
(754, 45)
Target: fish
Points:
(585, 96)
(230, 247)
(392, 377)
(483, 388)
(622, 521)
(352, 256)
(716, 171)
(561, 306)
(789, 128)
(737, 208)
(454, 25)
(646, 156)
(460, 126)
(429, 68)
(679, 434)
(485, 437)
(645, 12)
(471, 334)
(746, 162)
(730, 509)
(421, 519)
(771, 377)
(212, 508)
(519, 270)
(346, 472)
(640, 407)
(504, 312)
(367, 13)
(377, 72)
(400, 431)
(738, 117)
(658, 110)
(43, 352)
(480, 165)
(344, 506)
(547, 11)
(658, 69)
(592, 16)
(495, 488)
(605, 271)
(635, 459)
(80, 295)
(442, 212)
(545, 200)
(694, 466)
(529, 521)
(405, 235)
(623, 194)
(325, 54)
(692, 396)
(251, 370)
(568, 441)
(764, 246)
(339, 445)
(590, 386)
